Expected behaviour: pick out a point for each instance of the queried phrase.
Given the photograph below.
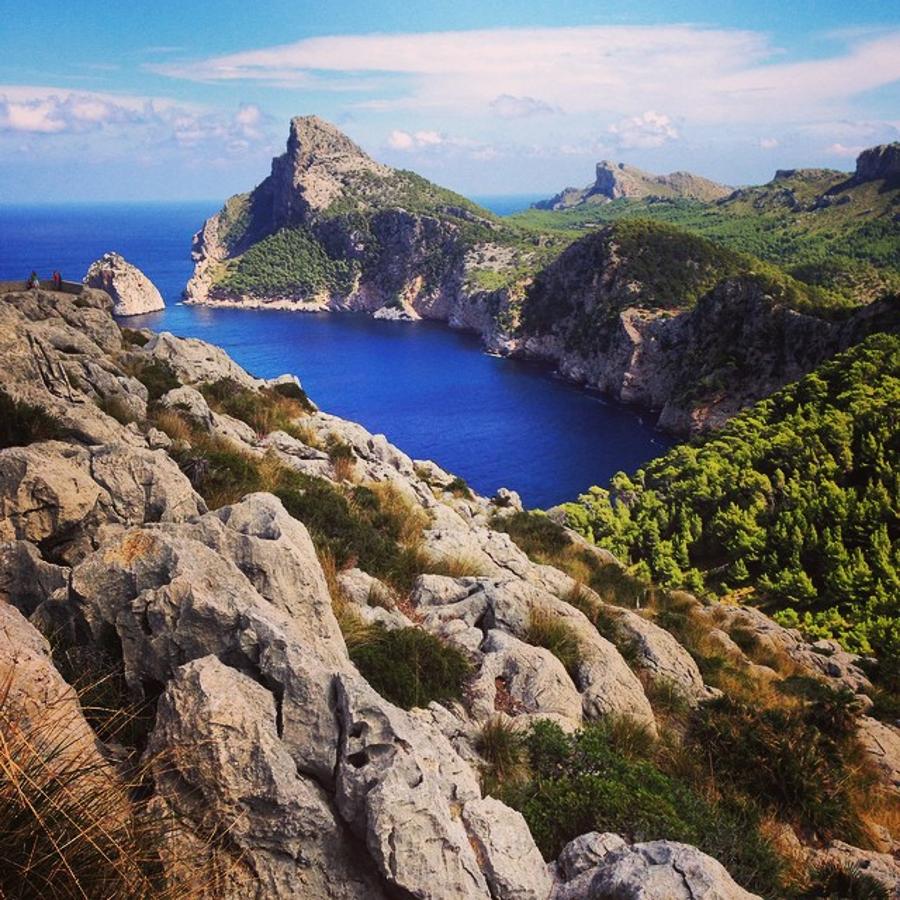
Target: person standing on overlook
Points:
(57, 281)
(33, 282)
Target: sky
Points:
(185, 100)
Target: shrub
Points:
(459, 488)
(411, 667)
(535, 533)
(23, 423)
(582, 782)
(780, 755)
(219, 472)
(264, 410)
(550, 631)
(836, 882)
(158, 377)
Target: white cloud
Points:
(699, 75)
(844, 151)
(768, 143)
(508, 107)
(125, 123)
(401, 140)
(652, 129)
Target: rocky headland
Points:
(646, 313)
(240, 560)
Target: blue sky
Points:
(183, 100)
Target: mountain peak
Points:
(881, 162)
(319, 163)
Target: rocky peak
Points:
(133, 293)
(616, 180)
(320, 162)
(881, 162)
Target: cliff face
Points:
(403, 240)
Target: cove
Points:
(431, 390)
(436, 395)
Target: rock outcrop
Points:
(615, 181)
(133, 293)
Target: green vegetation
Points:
(837, 882)
(804, 762)
(264, 410)
(291, 261)
(157, 376)
(595, 781)
(551, 632)
(411, 667)
(847, 241)
(793, 502)
(23, 423)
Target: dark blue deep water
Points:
(429, 389)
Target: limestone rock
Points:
(884, 867)
(652, 871)
(400, 786)
(171, 599)
(585, 852)
(534, 681)
(514, 867)
(27, 580)
(195, 361)
(882, 742)
(133, 293)
(222, 766)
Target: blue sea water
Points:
(429, 389)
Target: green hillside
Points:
(793, 504)
(818, 224)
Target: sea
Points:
(430, 389)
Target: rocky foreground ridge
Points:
(277, 767)
(640, 319)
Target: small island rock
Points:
(133, 293)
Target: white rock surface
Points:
(133, 293)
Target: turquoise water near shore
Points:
(430, 389)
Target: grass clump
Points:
(591, 781)
(23, 423)
(551, 632)
(502, 746)
(157, 376)
(264, 410)
(459, 487)
(833, 881)
(782, 755)
(411, 667)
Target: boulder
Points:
(220, 767)
(533, 679)
(513, 866)
(648, 871)
(133, 293)
(882, 743)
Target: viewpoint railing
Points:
(67, 287)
